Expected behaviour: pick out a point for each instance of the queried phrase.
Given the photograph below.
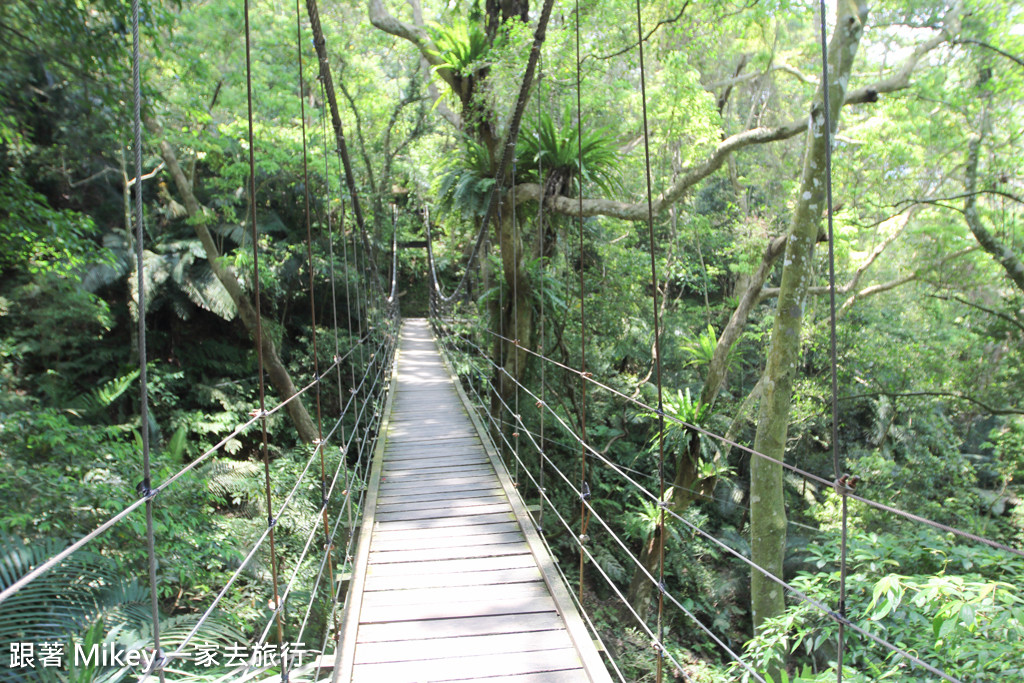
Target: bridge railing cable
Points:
(581, 539)
(137, 218)
(377, 325)
(817, 478)
(475, 355)
(282, 508)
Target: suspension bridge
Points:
(433, 564)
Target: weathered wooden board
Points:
(443, 648)
(467, 668)
(450, 584)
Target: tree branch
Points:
(971, 41)
(691, 175)
(736, 80)
(999, 251)
(1013, 321)
(942, 394)
(633, 45)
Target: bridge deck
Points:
(451, 579)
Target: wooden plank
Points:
(406, 515)
(454, 610)
(392, 466)
(419, 596)
(451, 588)
(565, 676)
(466, 531)
(465, 668)
(591, 659)
(381, 543)
(444, 648)
(407, 469)
(479, 475)
(439, 522)
(451, 566)
(439, 580)
(437, 494)
(459, 628)
(418, 436)
(444, 505)
(430, 446)
(463, 552)
(399, 453)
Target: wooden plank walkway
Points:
(451, 580)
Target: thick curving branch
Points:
(900, 80)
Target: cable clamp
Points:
(846, 484)
(160, 660)
(258, 412)
(271, 522)
(516, 342)
(144, 490)
(584, 538)
(662, 588)
(515, 435)
(336, 358)
(541, 404)
(588, 375)
(659, 412)
(662, 505)
(585, 491)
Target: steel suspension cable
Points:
(259, 318)
(310, 536)
(967, 535)
(71, 548)
(579, 493)
(313, 334)
(541, 278)
(660, 533)
(516, 264)
(140, 268)
(840, 483)
(248, 558)
(768, 574)
(584, 487)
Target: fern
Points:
(462, 46)
(554, 149)
(104, 396)
(88, 600)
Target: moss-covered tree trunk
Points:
(767, 504)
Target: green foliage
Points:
(86, 599)
(466, 181)
(554, 149)
(700, 349)
(462, 46)
(36, 238)
(954, 606)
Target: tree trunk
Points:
(767, 503)
(279, 377)
(1002, 254)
